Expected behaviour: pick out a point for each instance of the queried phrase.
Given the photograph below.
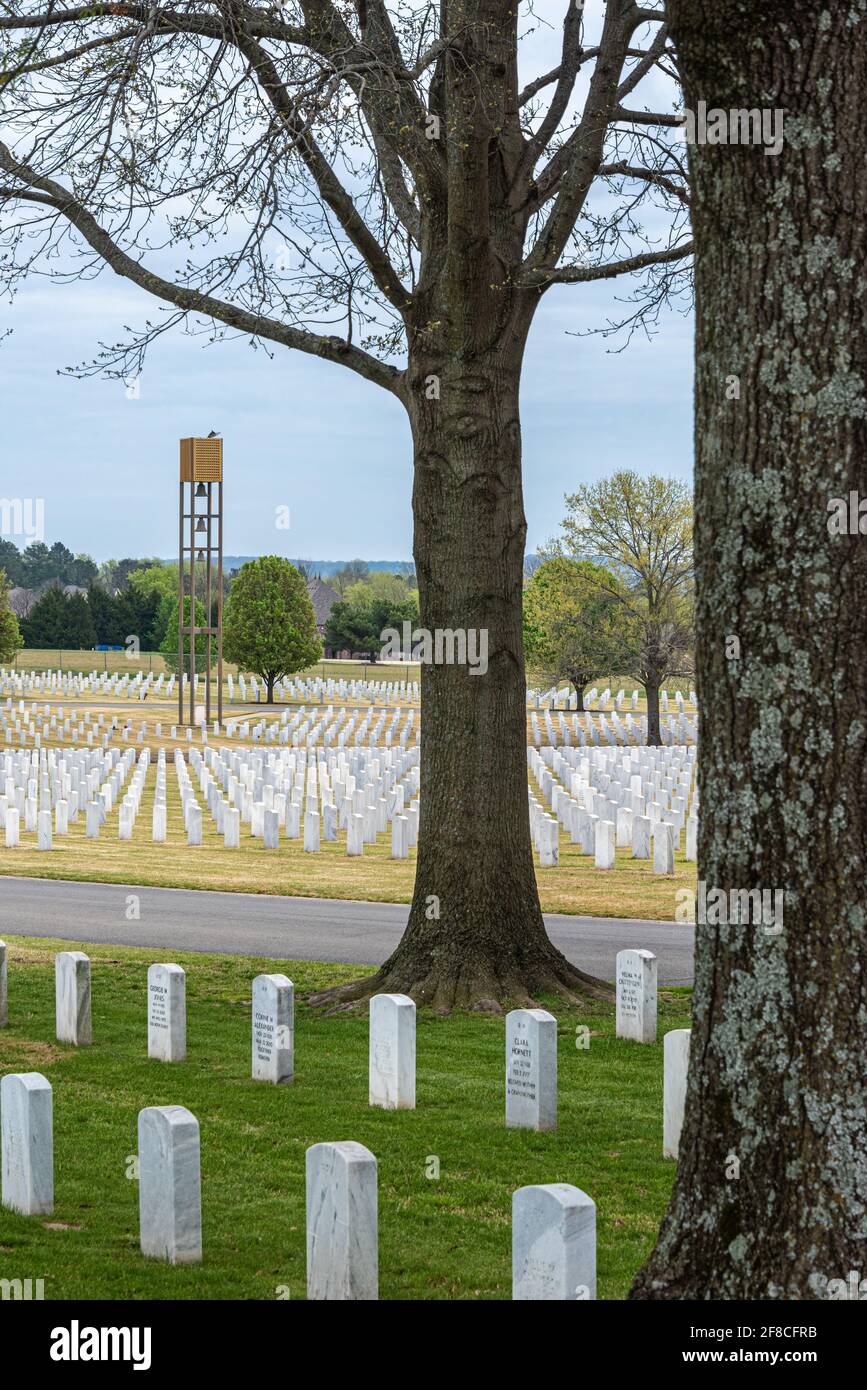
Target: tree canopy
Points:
(640, 528)
(576, 626)
(269, 625)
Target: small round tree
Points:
(269, 625)
(576, 625)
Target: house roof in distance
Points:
(323, 597)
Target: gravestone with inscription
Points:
(27, 1144)
(553, 1243)
(531, 1069)
(170, 1189)
(342, 1223)
(675, 1067)
(273, 1029)
(72, 998)
(636, 995)
(392, 1052)
(167, 1013)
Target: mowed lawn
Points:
(631, 889)
(440, 1238)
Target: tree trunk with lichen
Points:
(769, 1195)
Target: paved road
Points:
(293, 928)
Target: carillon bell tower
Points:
(200, 544)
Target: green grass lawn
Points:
(448, 1238)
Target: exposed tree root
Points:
(479, 985)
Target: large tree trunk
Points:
(475, 935)
(780, 1028)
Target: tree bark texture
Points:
(779, 1036)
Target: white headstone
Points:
(273, 1029)
(400, 837)
(232, 828)
(640, 837)
(692, 838)
(663, 848)
(675, 1050)
(342, 1224)
(531, 1069)
(170, 1189)
(605, 856)
(636, 995)
(392, 1052)
(72, 998)
(27, 1143)
(311, 832)
(553, 1243)
(355, 834)
(167, 1013)
(270, 829)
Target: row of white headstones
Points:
(76, 685)
(362, 791)
(329, 725)
(140, 684)
(595, 730)
(321, 689)
(608, 799)
(604, 799)
(564, 698)
(553, 1225)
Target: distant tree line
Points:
(42, 564)
(38, 565)
(79, 622)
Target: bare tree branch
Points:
(647, 117)
(567, 72)
(640, 71)
(573, 274)
(333, 192)
(637, 171)
(190, 301)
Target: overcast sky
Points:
(303, 433)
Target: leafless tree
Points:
(371, 183)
